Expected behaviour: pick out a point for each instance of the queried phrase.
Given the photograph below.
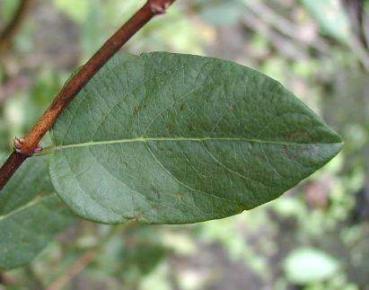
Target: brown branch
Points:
(11, 165)
(27, 146)
(8, 34)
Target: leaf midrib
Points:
(177, 139)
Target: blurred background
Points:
(314, 237)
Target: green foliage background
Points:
(314, 237)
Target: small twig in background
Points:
(359, 42)
(88, 257)
(286, 26)
(74, 270)
(25, 147)
(361, 53)
(356, 12)
(279, 41)
(10, 31)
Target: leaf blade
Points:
(32, 179)
(30, 215)
(202, 139)
(26, 231)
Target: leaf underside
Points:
(28, 220)
(169, 138)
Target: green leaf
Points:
(170, 138)
(30, 180)
(307, 265)
(26, 231)
(27, 221)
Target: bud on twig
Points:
(159, 6)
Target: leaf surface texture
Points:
(171, 138)
(30, 214)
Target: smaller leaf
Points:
(30, 180)
(26, 231)
(28, 223)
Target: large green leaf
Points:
(169, 138)
(29, 215)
